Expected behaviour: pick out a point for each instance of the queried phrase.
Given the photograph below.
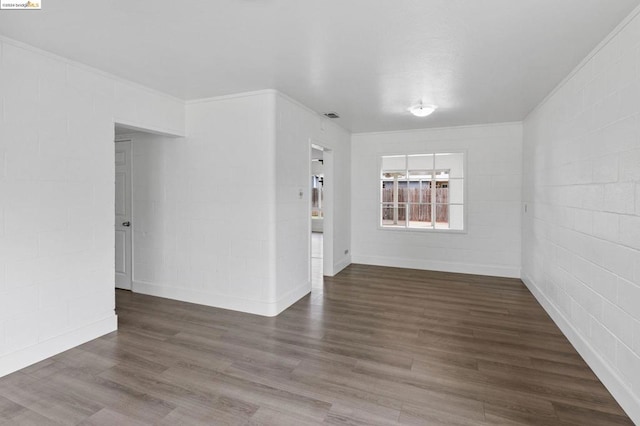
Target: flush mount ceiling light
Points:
(422, 110)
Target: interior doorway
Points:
(320, 214)
(317, 215)
(123, 237)
(131, 202)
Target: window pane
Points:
(420, 174)
(387, 191)
(420, 216)
(402, 214)
(392, 174)
(453, 162)
(442, 192)
(394, 162)
(449, 216)
(420, 162)
(442, 216)
(422, 192)
(387, 188)
(392, 216)
(387, 214)
(414, 191)
(456, 216)
(403, 193)
(456, 191)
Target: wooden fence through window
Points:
(420, 208)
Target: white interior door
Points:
(123, 215)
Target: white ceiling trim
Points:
(232, 96)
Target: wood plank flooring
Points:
(376, 346)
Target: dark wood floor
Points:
(377, 346)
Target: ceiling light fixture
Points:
(422, 110)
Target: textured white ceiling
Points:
(369, 60)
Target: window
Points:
(424, 191)
(317, 182)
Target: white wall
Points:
(298, 127)
(57, 198)
(204, 207)
(581, 235)
(491, 243)
(217, 216)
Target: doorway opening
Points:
(320, 214)
(137, 219)
(317, 215)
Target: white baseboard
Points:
(341, 264)
(25, 357)
(434, 265)
(292, 297)
(222, 301)
(607, 375)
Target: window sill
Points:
(423, 230)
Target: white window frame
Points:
(406, 228)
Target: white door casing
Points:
(123, 228)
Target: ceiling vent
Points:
(331, 114)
